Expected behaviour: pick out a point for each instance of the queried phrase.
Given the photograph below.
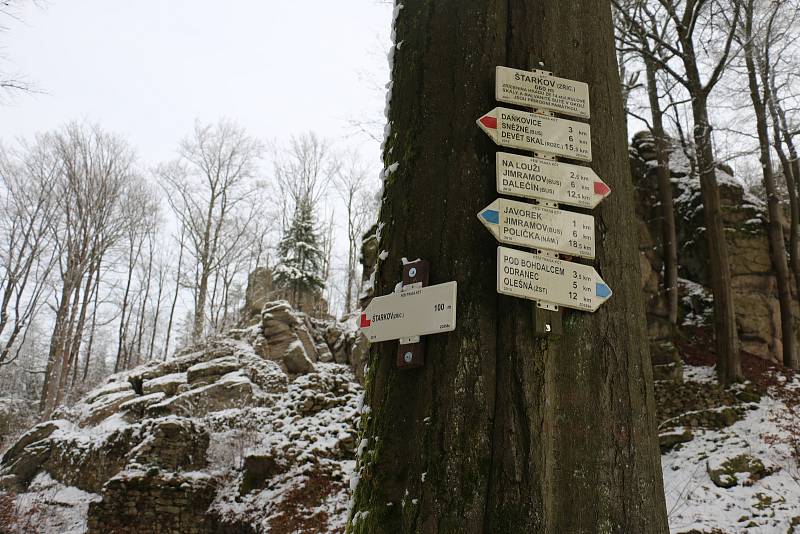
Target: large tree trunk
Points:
(198, 329)
(47, 402)
(669, 240)
(501, 431)
(92, 329)
(174, 296)
(729, 366)
(794, 206)
(777, 248)
(123, 333)
(791, 172)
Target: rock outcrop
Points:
(754, 287)
(261, 289)
(200, 442)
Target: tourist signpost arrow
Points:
(410, 313)
(550, 280)
(547, 179)
(541, 133)
(529, 225)
(542, 91)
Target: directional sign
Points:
(542, 278)
(529, 225)
(542, 133)
(543, 91)
(547, 179)
(412, 312)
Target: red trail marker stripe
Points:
(601, 189)
(489, 121)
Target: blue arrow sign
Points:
(491, 216)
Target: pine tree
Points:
(300, 256)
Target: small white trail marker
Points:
(410, 313)
(550, 280)
(540, 227)
(542, 91)
(546, 179)
(540, 133)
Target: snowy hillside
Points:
(739, 472)
(226, 437)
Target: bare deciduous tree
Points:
(95, 169)
(26, 257)
(708, 26)
(754, 35)
(205, 187)
(359, 206)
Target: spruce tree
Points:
(300, 256)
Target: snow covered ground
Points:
(765, 497)
(743, 478)
(50, 506)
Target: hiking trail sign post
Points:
(542, 91)
(411, 313)
(547, 179)
(545, 278)
(540, 275)
(531, 131)
(534, 226)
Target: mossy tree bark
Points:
(501, 431)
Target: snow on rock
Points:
(49, 506)
(740, 478)
(167, 384)
(227, 436)
(743, 215)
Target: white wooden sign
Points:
(542, 91)
(546, 279)
(531, 131)
(547, 179)
(412, 312)
(529, 225)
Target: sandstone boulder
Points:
(173, 443)
(233, 390)
(176, 502)
(211, 370)
(106, 405)
(167, 384)
(753, 280)
(296, 359)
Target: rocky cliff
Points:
(744, 215)
(251, 432)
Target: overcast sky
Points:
(147, 69)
